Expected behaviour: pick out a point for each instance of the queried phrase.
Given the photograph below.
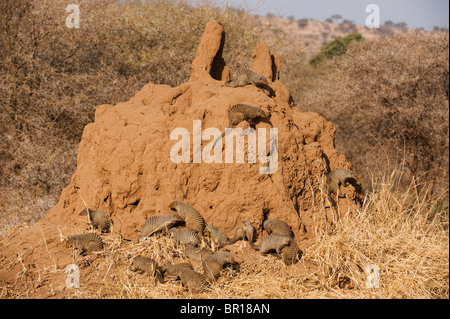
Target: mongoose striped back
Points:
(191, 279)
(213, 264)
(277, 226)
(242, 112)
(290, 254)
(159, 223)
(250, 231)
(337, 177)
(246, 77)
(196, 253)
(87, 243)
(143, 264)
(194, 221)
(185, 236)
(239, 234)
(99, 219)
(272, 242)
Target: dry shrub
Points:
(388, 99)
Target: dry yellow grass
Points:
(407, 241)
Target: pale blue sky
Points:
(416, 13)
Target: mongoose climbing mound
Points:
(124, 165)
(98, 219)
(247, 77)
(339, 176)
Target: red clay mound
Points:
(124, 165)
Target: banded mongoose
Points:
(87, 243)
(336, 178)
(149, 266)
(98, 219)
(278, 227)
(191, 279)
(246, 77)
(218, 237)
(290, 254)
(272, 242)
(239, 234)
(194, 221)
(159, 223)
(242, 112)
(195, 253)
(185, 236)
(213, 264)
(250, 231)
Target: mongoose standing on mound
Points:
(194, 221)
(278, 227)
(213, 264)
(191, 279)
(159, 223)
(143, 264)
(87, 243)
(246, 77)
(272, 242)
(336, 178)
(98, 219)
(185, 236)
(242, 112)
